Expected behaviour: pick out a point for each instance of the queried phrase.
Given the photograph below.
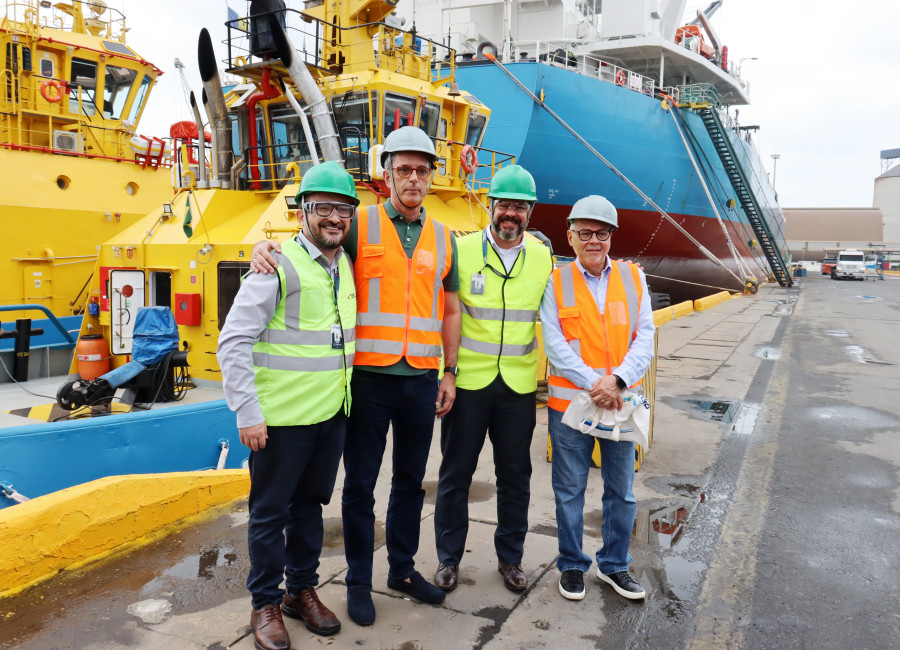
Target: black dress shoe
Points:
(513, 577)
(624, 584)
(446, 577)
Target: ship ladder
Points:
(705, 251)
(745, 271)
(748, 200)
(7, 490)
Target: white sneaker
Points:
(624, 584)
(571, 584)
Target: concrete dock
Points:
(769, 508)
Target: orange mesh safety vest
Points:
(601, 340)
(400, 301)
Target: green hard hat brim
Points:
(330, 190)
(515, 196)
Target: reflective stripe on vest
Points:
(601, 340)
(400, 300)
(300, 378)
(498, 325)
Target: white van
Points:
(850, 264)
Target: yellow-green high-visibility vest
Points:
(302, 372)
(498, 325)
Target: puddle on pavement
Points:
(201, 565)
(767, 352)
(861, 355)
(745, 421)
(784, 307)
(838, 334)
(723, 410)
(857, 417)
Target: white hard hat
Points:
(596, 208)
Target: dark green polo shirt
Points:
(409, 232)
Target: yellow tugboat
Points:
(330, 86)
(75, 169)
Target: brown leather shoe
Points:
(268, 629)
(446, 577)
(307, 607)
(513, 577)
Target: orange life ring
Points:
(620, 78)
(468, 158)
(45, 91)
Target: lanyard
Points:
(505, 275)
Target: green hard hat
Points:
(513, 182)
(594, 207)
(328, 177)
(407, 138)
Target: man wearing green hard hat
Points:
(502, 278)
(286, 353)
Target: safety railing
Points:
(99, 20)
(49, 314)
(367, 46)
(586, 65)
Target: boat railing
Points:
(363, 46)
(284, 163)
(72, 125)
(700, 94)
(81, 16)
(590, 66)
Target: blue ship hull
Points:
(636, 135)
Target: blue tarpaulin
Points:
(155, 335)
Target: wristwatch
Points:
(453, 370)
(620, 383)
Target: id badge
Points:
(478, 284)
(337, 337)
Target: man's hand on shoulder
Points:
(254, 437)
(261, 260)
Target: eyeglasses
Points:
(325, 209)
(405, 172)
(587, 234)
(521, 208)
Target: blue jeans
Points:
(571, 462)
(380, 401)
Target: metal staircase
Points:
(747, 199)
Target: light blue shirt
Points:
(569, 364)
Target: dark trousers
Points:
(407, 404)
(509, 419)
(290, 480)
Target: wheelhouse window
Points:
(289, 143)
(429, 118)
(84, 79)
(477, 122)
(354, 123)
(135, 113)
(117, 84)
(399, 111)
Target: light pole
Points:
(775, 157)
(741, 62)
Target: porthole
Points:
(132, 189)
(62, 182)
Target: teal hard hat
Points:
(513, 182)
(328, 177)
(596, 208)
(407, 138)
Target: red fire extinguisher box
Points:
(187, 308)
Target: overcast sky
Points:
(825, 87)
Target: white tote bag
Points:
(632, 423)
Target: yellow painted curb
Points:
(82, 524)
(667, 314)
(702, 304)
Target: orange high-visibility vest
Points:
(400, 301)
(601, 340)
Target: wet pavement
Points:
(769, 510)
